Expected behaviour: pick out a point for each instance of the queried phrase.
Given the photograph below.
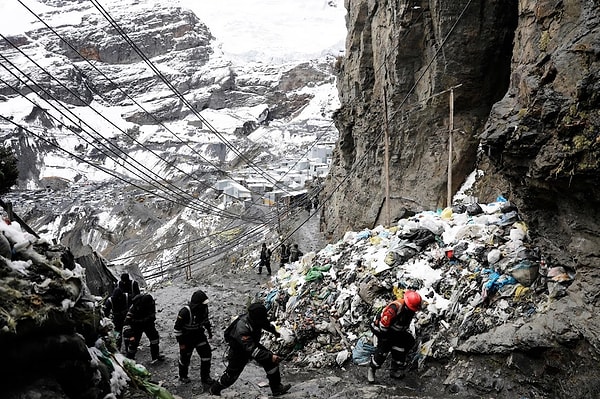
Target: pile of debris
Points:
(474, 265)
(54, 340)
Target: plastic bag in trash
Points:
(361, 354)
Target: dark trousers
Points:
(150, 331)
(397, 342)
(118, 321)
(202, 347)
(237, 359)
(266, 264)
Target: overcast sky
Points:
(274, 30)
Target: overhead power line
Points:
(111, 146)
(184, 101)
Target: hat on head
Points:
(258, 314)
(125, 277)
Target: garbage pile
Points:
(53, 338)
(473, 264)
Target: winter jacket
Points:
(284, 254)
(244, 335)
(117, 304)
(265, 256)
(192, 320)
(295, 254)
(394, 317)
(130, 287)
(142, 311)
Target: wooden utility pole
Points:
(386, 157)
(451, 129)
(188, 268)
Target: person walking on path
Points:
(295, 253)
(284, 255)
(391, 329)
(243, 337)
(265, 259)
(190, 327)
(140, 320)
(116, 307)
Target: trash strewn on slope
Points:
(51, 327)
(473, 264)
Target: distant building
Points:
(232, 191)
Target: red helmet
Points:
(412, 299)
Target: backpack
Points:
(227, 334)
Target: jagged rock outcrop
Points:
(407, 54)
(529, 74)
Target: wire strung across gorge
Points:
(63, 113)
(363, 157)
(118, 87)
(223, 139)
(178, 201)
(144, 172)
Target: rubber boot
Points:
(205, 373)
(371, 375)
(397, 370)
(281, 389)
(183, 374)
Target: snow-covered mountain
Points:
(124, 114)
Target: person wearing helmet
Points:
(243, 336)
(391, 329)
(191, 327)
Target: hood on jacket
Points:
(258, 315)
(198, 298)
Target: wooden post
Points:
(188, 268)
(451, 129)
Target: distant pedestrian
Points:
(191, 328)
(284, 255)
(295, 253)
(265, 259)
(129, 286)
(140, 320)
(391, 328)
(116, 307)
(243, 337)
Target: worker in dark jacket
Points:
(265, 259)
(190, 327)
(140, 320)
(243, 337)
(284, 255)
(116, 307)
(129, 286)
(391, 328)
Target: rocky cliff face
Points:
(402, 57)
(528, 76)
